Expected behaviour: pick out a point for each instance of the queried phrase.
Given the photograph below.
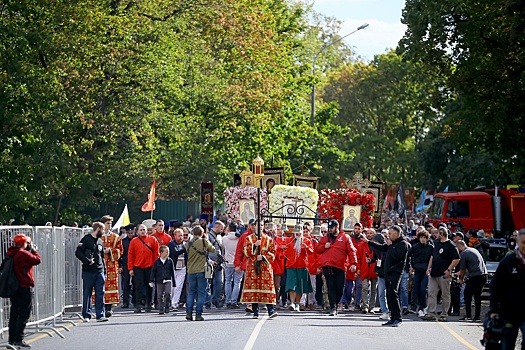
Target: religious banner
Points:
(241, 202)
(207, 200)
(333, 202)
(299, 204)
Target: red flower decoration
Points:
(332, 201)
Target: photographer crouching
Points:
(25, 256)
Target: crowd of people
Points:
(225, 264)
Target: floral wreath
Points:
(307, 195)
(332, 202)
(233, 195)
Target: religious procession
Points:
(277, 248)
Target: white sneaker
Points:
(351, 308)
(384, 316)
(421, 313)
(297, 308)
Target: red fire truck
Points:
(497, 211)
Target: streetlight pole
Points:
(324, 47)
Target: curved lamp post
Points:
(324, 47)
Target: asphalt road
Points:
(232, 329)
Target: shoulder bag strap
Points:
(147, 245)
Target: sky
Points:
(383, 16)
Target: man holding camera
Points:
(90, 251)
(24, 256)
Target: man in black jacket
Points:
(90, 251)
(396, 256)
(507, 291)
(127, 236)
(419, 257)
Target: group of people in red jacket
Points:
(302, 260)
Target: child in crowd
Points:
(163, 275)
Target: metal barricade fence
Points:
(58, 273)
(73, 268)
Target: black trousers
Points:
(335, 283)
(126, 287)
(141, 281)
(392, 296)
(319, 289)
(455, 298)
(474, 288)
(21, 305)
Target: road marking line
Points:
(253, 337)
(458, 337)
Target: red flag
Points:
(150, 204)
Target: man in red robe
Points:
(258, 283)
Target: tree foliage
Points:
(99, 97)
(478, 47)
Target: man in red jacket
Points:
(334, 249)
(367, 264)
(240, 258)
(278, 263)
(143, 251)
(24, 257)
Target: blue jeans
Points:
(232, 284)
(196, 290)
(90, 281)
(381, 293)
(348, 291)
(216, 283)
(420, 286)
(403, 289)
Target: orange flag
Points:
(150, 204)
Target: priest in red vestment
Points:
(258, 283)
(113, 249)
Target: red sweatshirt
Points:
(366, 270)
(313, 259)
(278, 262)
(139, 255)
(23, 262)
(341, 249)
(298, 262)
(240, 258)
(162, 237)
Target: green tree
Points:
(478, 48)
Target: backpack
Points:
(8, 281)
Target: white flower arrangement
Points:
(282, 194)
(233, 195)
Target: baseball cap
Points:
(20, 239)
(252, 222)
(460, 235)
(332, 224)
